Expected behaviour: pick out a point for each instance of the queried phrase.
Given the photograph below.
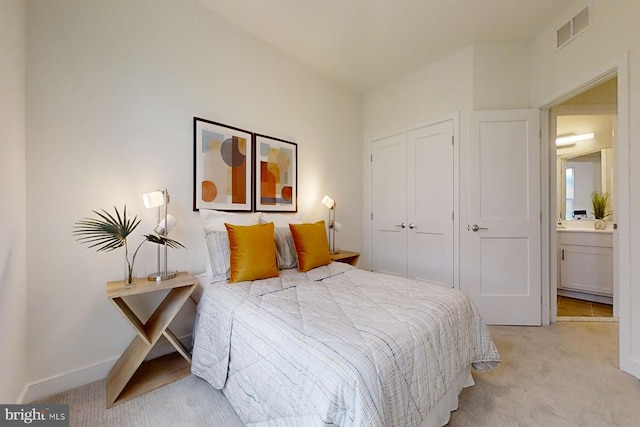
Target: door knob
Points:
(412, 226)
(403, 225)
(475, 228)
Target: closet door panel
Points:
(427, 259)
(430, 188)
(389, 204)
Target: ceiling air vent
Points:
(573, 28)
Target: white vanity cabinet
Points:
(586, 261)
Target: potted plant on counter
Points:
(599, 202)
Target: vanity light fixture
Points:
(564, 141)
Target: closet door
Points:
(389, 204)
(430, 203)
(412, 193)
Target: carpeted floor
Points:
(565, 374)
(561, 375)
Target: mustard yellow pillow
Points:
(312, 247)
(253, 252)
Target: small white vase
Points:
(600, 224)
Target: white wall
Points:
(613, 34)
(438, 89)
(501, 75)
(113, 87)
(13, 260)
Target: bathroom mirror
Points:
(580, 176)
(585, 166)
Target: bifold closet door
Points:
(412, 204)
(430, 203)
(389, 205)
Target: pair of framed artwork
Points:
(238, 170)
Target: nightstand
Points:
(132, 376)
(346, 257)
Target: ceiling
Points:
(367, 43)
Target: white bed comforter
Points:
(337, 346)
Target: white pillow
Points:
(281, 220)
(285, 250)
(219, 259)
(213, 220)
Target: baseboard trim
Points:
(85, 375)
(585, 296)
(21, 398)
(68, 380)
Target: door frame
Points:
(367, 244)
(619, 68)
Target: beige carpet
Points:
(561, 375)
(565, 374)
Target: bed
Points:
(310, 342)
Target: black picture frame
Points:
(276, 174)
(223, 167)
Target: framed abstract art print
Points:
(223, 166)
(276, 177)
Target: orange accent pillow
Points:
(312, 247)
(253, 252)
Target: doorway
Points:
(623, 301)
(584, 129)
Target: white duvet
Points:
(336, 346)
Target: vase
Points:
(600, 224)
(129, 274)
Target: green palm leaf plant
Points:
(599, 202)
(110, 231)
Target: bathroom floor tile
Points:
(579, 308)
(602, 310)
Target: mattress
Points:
(339, 346)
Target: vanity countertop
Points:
(583, 230)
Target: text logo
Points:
(34, 415)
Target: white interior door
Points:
(430, 203)
(502, 254)
(389, 204)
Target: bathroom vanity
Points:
(585, 264)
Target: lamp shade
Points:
(162, 230)
(328, 202)
(153, 199)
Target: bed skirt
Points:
(440, 414)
